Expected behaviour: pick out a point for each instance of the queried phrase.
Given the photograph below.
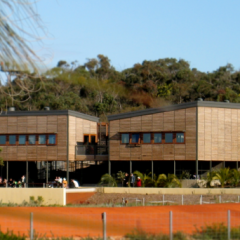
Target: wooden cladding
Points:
(28, 125)
(49, 139)
(153, 138)
(218, 134)
(179, 121)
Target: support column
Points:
(81, 172)
(130, 167)
(174, 167)
(210, 163)
(26, 173)
(237, 165)
(109, 167)
(7, 172)
(47, 172)
(152, 170)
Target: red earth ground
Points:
(84, 221)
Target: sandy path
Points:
(67, 221)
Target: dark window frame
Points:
(140, 141)
(27, 140)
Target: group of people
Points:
(132, 181)
(62, 182)
(13, 183)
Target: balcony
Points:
(91, 152)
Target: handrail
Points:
(91, 150)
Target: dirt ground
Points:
(87, 221)
(151, 199)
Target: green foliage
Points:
(10, 236)
(185, 175)
(108, 180)
(223, 175)
(235, 178)
(121, 176)
(169, 181)
(1, 159)
(33, 202)
(141, 235)
(210, 177)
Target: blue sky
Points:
(203, 32)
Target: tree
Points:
(235, 178)
(121, 176)
(168, 181)
(223, 175)
(108, 180)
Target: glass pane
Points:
(135, 137)
(168, 137)
(180, 137)
(125, 138)
(32, 139)
(12, 139)
(157, 137)
(42, 139)
(22, 139)
(3, 139)
(147, 138)
(51, 139)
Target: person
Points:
(64, 183)
(5, 182)
(23, 180)
(19, 184)
(139, 182)
(132, 180)
(126, 179)
(76, 184)
(71, 184)
(10, 183)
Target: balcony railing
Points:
(91, 150)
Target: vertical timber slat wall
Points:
(35, 125)
(218, 134)
(179, 120)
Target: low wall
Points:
(18, 195)
(180, 191)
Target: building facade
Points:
(188, 135)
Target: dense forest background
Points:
(98, 89)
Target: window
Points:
(51, 139)
(168, 137)
(157, 137)
(135, 137)
(32, 139)
(125, 138)
(146, 137)
(22, 139)
(12, 139)
(179, 137)
(42, 139)
(3, 139)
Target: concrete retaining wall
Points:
(180, 191)
(18, 195)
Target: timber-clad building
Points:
(195, 136)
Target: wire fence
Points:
(192, 225)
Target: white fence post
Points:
(163, 199)
(31, 226)
(201, 200)
(182, 199)
(104, 218)
(143, 202)
(170, 226)
(229, 224)
(220, 199)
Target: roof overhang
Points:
(174, 108)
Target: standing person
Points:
(132, 180)
(23, 180)
(139, 182)
(10, 183)
(64, 183)
(126, 179)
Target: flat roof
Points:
(48, 113)
(173, 108)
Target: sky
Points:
(204, 33)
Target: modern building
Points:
(194, 136)
(45, 142)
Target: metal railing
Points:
(91, 150)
